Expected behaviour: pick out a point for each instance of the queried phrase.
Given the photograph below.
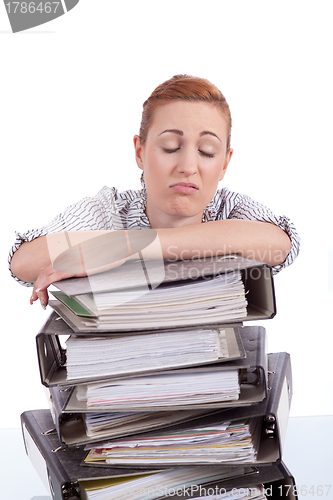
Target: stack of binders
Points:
(156, 388)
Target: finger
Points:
(45, 278)
(34, 295)
(43, 298)
(40, 295)
(39, 291)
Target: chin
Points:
(188, 215)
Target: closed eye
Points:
(207, 155)
(169, 151)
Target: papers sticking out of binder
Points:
(102, 425)
(179, 480)
(83, 428)
(190, 388)
(66, 477)
(103, 357)
(170, 389)
(260, 429)
(71, 416)
(219, 442)
(221, 298)
(165, 483)
(69, 411)
(88, 358)
(221, 290)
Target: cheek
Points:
(220, 170)
(157, 164)
(213, 173)
(154, 172)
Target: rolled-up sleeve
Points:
(239, 206)
(95, 213)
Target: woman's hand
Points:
(76, 254)
(89, 253)
(49, 275)
(46, 277)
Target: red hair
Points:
(188, 88)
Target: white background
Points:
(71, 96)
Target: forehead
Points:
(191, 117)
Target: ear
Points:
(138, 151)
(226, 163)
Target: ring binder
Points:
(257, 278)
(57, 436)
(65, 472)
(246, 346)
(275, 406)
(69, 413)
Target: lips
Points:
(185, 187)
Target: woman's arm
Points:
(262, 241)
(29, 259)
(40, 253)
(29, 253)
(34, 261)
(37, 261)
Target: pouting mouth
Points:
(185, 184)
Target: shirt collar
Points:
(136, 216)
(209, 213)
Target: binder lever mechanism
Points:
(49, 432)
(70, 491)
(59, 353)
(64, 448)
(270, 425)
(249, 377)
(62, 352)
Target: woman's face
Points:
(183, 159)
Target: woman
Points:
(183, 149)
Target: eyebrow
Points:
(173, 131)
(179, 132)
(205, 132)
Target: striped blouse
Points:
(111, 209)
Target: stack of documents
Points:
(161, 387)
(108, 425)
(71, 479)
(100, 356)
(206, 301)
(235, 442)
(169, 389)
(180, 481)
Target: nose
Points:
(188, 162)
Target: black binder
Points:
(242, 342)
(273, 411)
(70, 424)
(63, 471)
(273, 414)
(252, 369)
(257, 278)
